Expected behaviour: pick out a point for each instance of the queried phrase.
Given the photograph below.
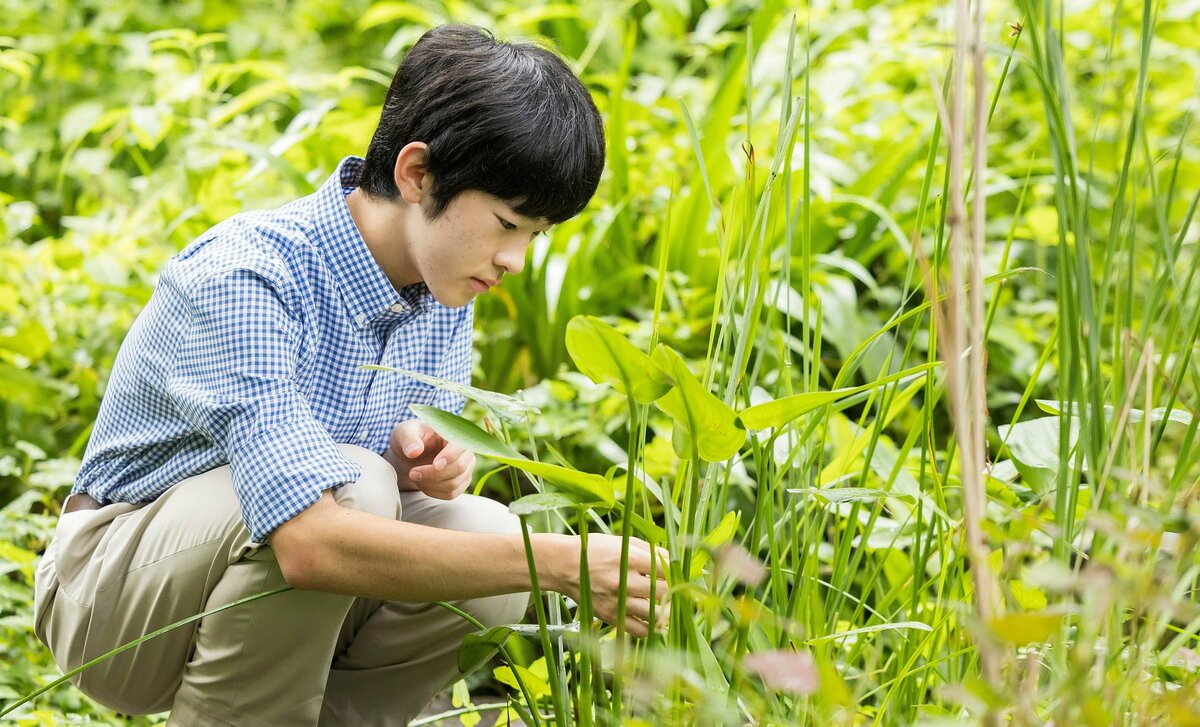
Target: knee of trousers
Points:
(483, 515)
(472, 513)
(375, 491)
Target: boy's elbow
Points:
(298, 551)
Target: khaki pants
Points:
(297, 658)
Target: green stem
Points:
(560, 709)
(589, 664)
(503, 652)
(626, 533)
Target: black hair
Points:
(508, 119)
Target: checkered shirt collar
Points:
(367, 291)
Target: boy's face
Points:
(475, 242)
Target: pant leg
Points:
(266, 663)
(117, 573)
(392, 658)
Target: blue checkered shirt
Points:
(249, 354)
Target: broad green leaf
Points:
(31, 341)
(479, 646)
(605, 356)
(781, 411)
(706, 422)
(1026, 596)
(720, 535)
(1034, 448)
(547, 502)
(587, 487)
(537, 684)
(1026, 628)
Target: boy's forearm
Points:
(339, 550)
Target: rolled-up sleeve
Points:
(234, 381)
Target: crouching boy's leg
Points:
(392, 658)
(122, 571)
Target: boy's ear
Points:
(411, 173)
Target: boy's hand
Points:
(426, 462)
(647, 569)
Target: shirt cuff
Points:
(282, 471)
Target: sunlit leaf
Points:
(705, 420)
(1025, 628)
(605, 356)
(585, 486)
(385, 13)
(719, 536)
(899, 625)
(781, 411)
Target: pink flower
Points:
(784, 670)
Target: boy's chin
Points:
(452, 297)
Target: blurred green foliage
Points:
(127, 128)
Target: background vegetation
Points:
(775, 210)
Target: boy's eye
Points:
(506, 224)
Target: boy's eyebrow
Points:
(541, 223)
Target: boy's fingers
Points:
(451, 454)
(640, 588)
(411, 438)
(415, 438)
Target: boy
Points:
(240, 446)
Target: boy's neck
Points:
(382, 224)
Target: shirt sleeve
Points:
(456, 365)
(234, 381)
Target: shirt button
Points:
(360, 319)
(362, 436)
(397, 307)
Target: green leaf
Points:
(479, 646)
(605, 356)
(506, 407)
(30, 341)
(1034, 446)
(899, 625)
(706, 422)
(248, 99)
(1025, 628)
(391, 12)
(781, 411)
(1134, 416)
(79, 120)
(720, 535)
(547, 502)
(587, 487)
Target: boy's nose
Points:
(512, 260)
